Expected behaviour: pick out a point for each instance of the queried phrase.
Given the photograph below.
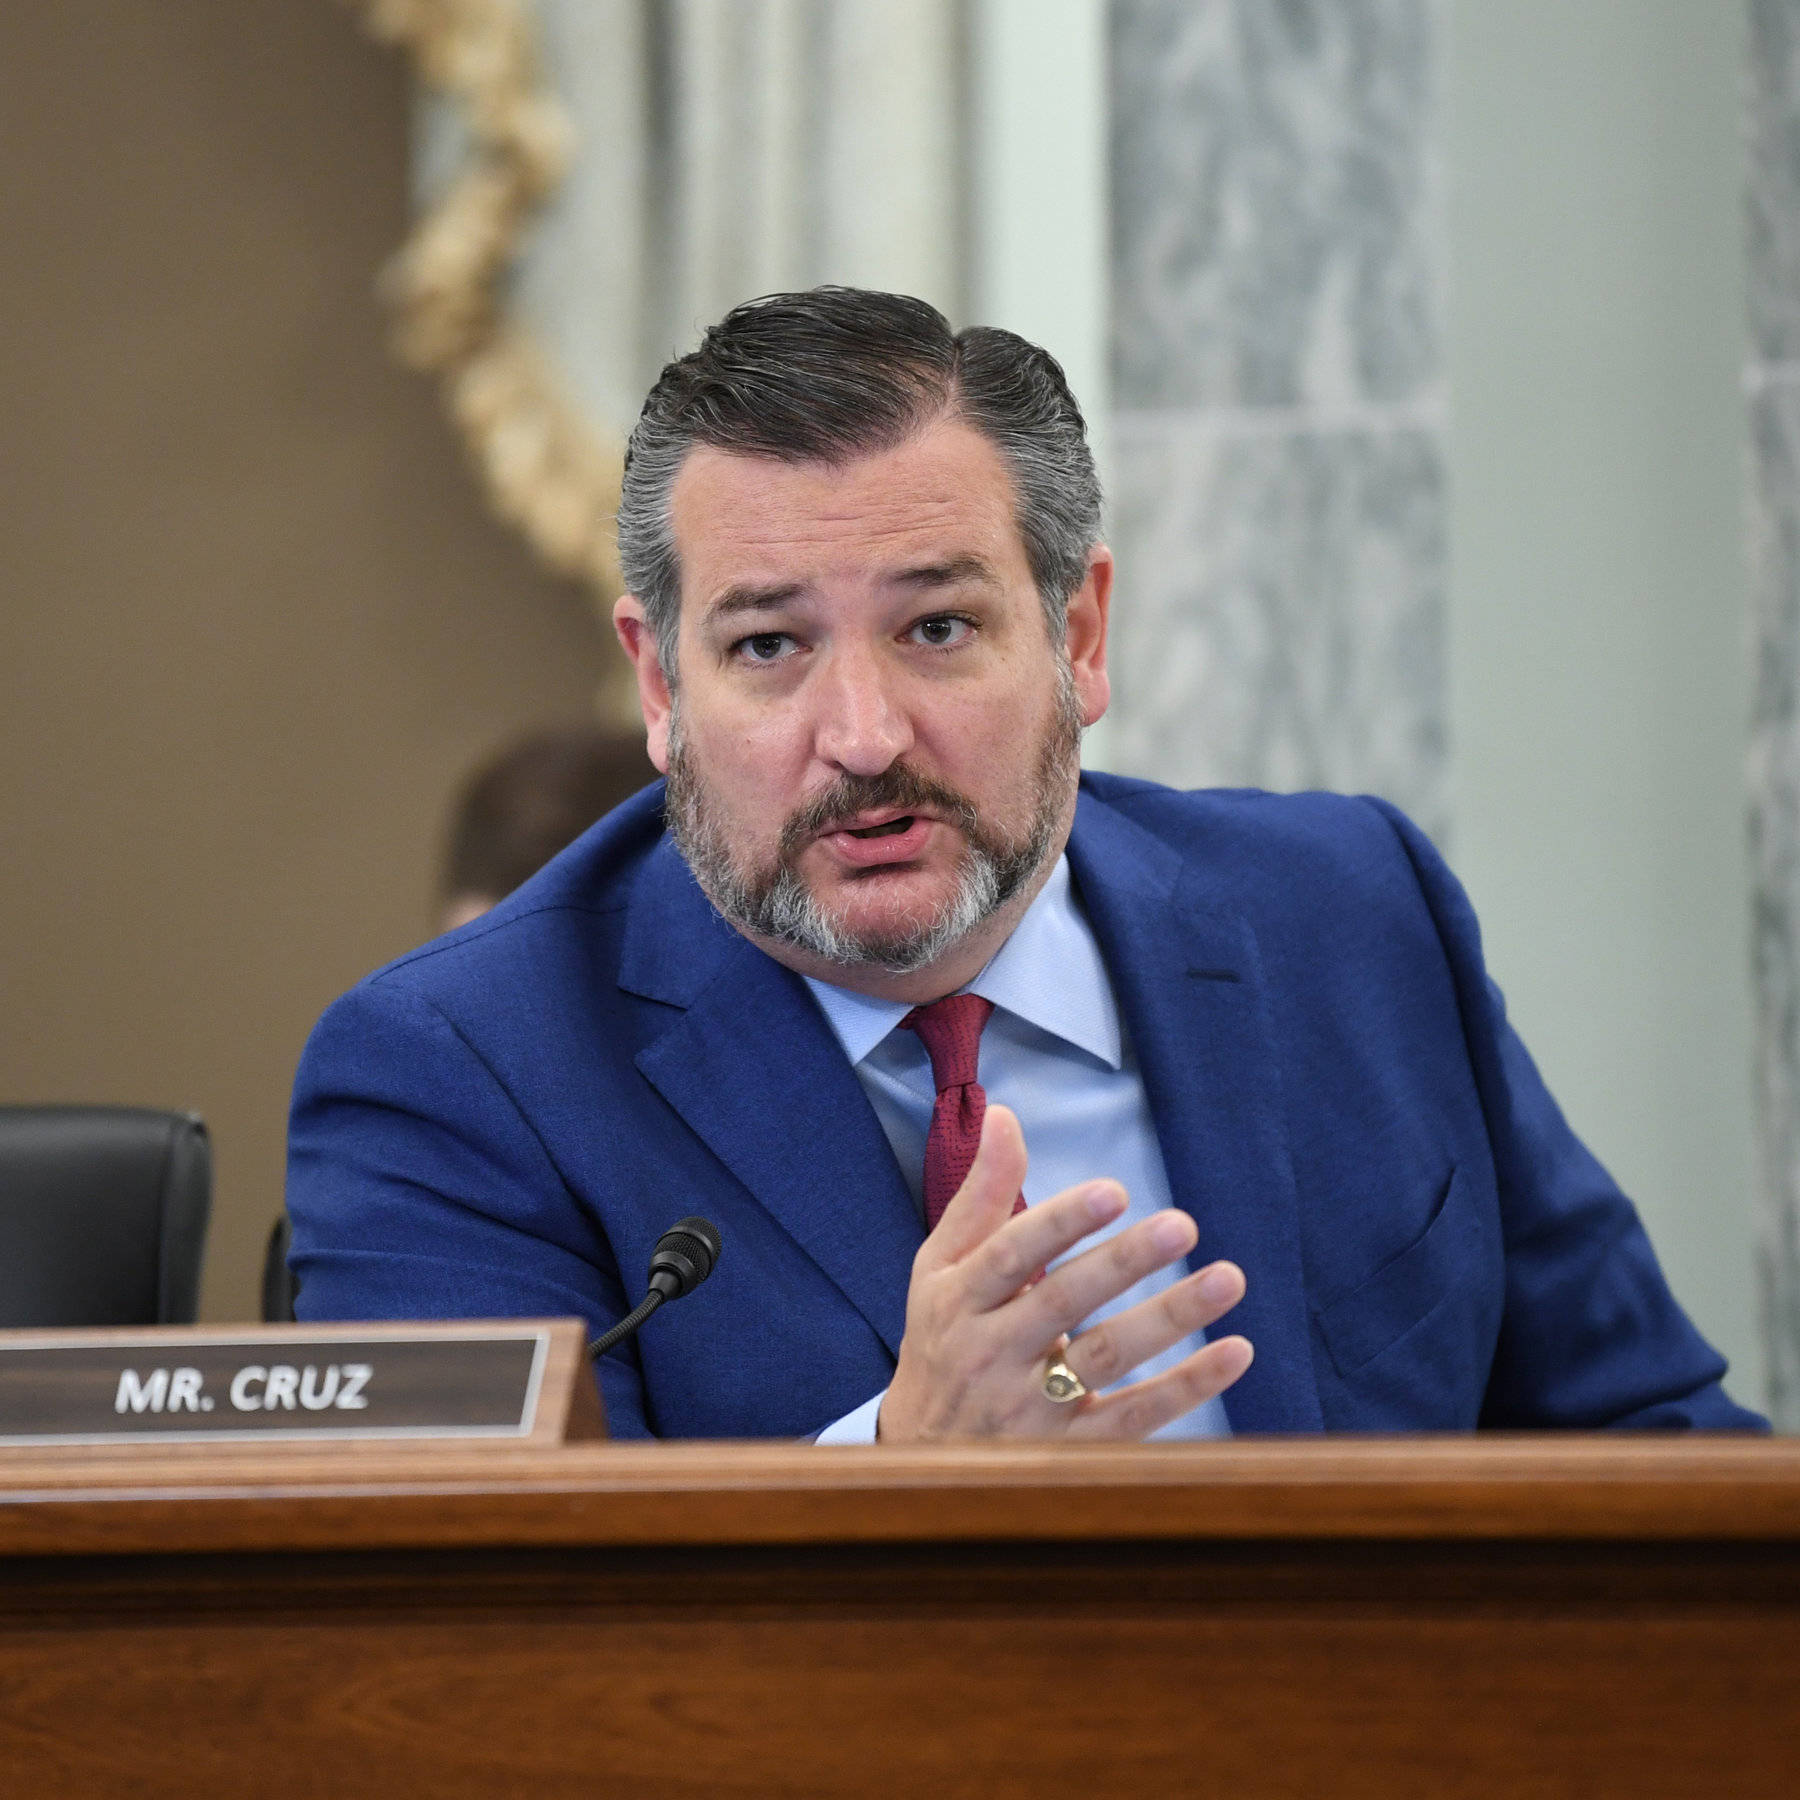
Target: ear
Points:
(1085, 635)
(639, 642)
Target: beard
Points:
(773, 902)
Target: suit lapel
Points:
(754, 1070)
(1189, 983)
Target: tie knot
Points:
(950, 1030)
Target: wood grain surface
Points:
(303, 1496)
(1524, 1617)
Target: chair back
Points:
(279, 1288)
(103, 1214)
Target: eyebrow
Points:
(745, 597)
(946, 574)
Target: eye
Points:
(942, 631)
(764, 647)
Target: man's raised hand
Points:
(978, 1337)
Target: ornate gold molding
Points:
(545, 469)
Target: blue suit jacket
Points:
(503, 1122)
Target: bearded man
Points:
(1247, 1038)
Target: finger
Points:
(1013, 1255)
(1109, 1351)
(1132, 1413)
(984, 1202)
(1083, 1284)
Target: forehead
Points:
(942, 493)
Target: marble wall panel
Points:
(1273, 226)
(1772, 384)
(1772, 197)
(1280, 617)
(1278, 474)
(1774, 765)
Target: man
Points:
(1247, 1038)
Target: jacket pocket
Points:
(1359, 1325)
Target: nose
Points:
(862, 725)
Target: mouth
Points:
(879, 840)
(893, 827)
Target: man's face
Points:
(872, 751)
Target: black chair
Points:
(279, 1288)
(103, 1213)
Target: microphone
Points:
(684, 1256)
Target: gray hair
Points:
(835, 373)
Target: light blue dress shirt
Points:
(1055, 1052)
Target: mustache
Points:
(897, 785)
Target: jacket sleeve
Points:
(417, 1189)
(1590, 1335)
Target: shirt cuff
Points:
(857, 1427)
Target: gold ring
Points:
(1061, 1383)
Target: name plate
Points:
(523, 1379)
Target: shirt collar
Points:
(1048, 973)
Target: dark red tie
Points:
(950, 1030)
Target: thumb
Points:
(984, 1202)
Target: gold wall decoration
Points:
(545, 467)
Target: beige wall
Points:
(253, 624)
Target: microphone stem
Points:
(627, 1325)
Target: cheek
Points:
(987, 741)
(762, 754)
(754, 771)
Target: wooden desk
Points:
(1545, 1616)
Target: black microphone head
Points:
(684, 1256)
(708, 1234)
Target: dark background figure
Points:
(520, 807)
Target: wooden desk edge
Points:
(191, 1498)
